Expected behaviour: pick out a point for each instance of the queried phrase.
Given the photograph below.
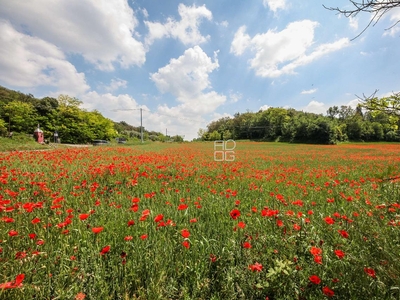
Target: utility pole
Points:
(141, 127)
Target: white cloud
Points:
(99, 30)
(115, 84)
(264, 107)
(316, 107)
(27, 61)
(241, 41)
(187, 78)
(223, 23)
(279, 53)
(305, 92)
(234, 97)
(353, 23)
(274, 5)
(186, 30)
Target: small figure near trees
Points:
(10, 134)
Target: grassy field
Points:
(167, 221)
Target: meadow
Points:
(167, 221)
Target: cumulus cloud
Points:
(353, 23)
(186, 30)
(187, 78)
(100, 30)
(115, 84)
(27, 61)
(264, 107)
(316, 107)
(279, 53)
(274, 5)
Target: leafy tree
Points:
(21, 116)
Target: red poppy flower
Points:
(343, 233)
(144, 236)
(83, 216)
(241, 225)
(17, 283)
(235, 213)
(296, 227)
(339, 253)
(182, 207)
(186, 244)
(185, 233)
(246, 245)
(315, 279)
(128, 238)
(130, 223)
(279, 223)
(80, 296)
(315, 251)
(12, 233)
(97, 230)
(327, 291)
(35, 221)
(329, 220)
(318, 259)
(256, 267)
(32, 235)
(105, 250)
(158, 218)
(194, 220)
(370, 272)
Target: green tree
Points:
(21, 116)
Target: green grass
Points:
(286, 194)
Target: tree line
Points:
(21, 113)
(339, 124)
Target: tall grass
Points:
(280, 222)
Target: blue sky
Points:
(186, 63)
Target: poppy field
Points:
(167, 221)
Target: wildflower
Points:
(97, 230)
(343, 233)
(315, 279)
(158, 218)
(329, 220)
(257, 267)
(315, 251)
(370, 272)
(144, 236)
(185, 233)
(246, 245)
(83, 216)
(235, 213)
(339, 253)
(12, 233)
(35, 221)
(128, 238)
(241, 225)
(17, 283)
(130, 223)
(182, 207)
(105, 250)
(80, 296)
(327, 291)
(318, 259)
(296, 227)
(186, 244)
